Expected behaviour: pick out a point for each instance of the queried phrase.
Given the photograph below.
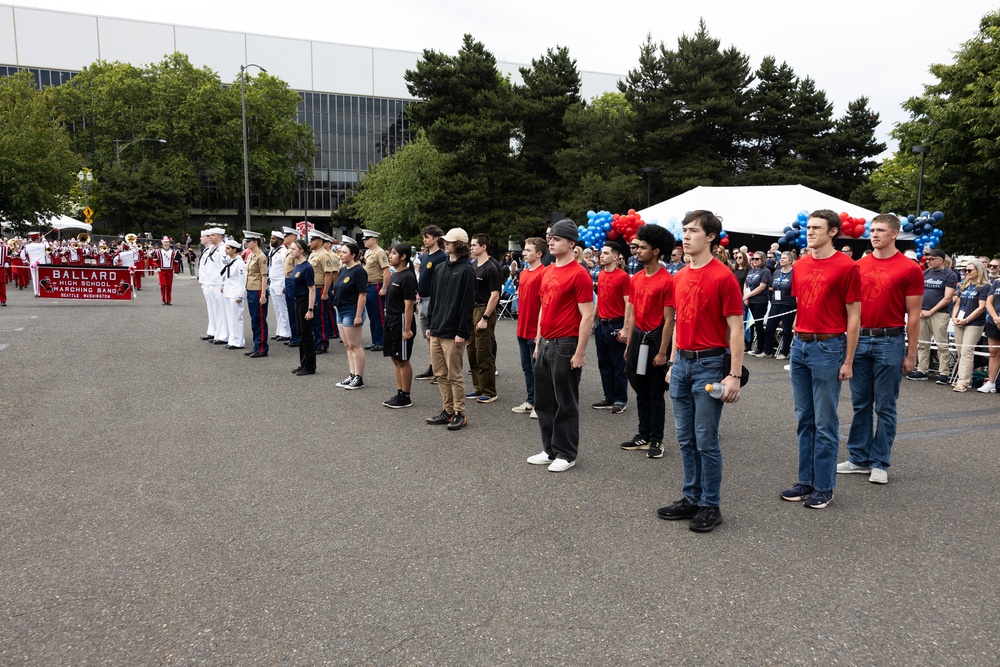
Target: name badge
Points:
(777, 295)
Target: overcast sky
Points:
(875, 48)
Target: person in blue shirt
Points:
(782, 308)
(303, 278)
(755, 296)
(969, 317)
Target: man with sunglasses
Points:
(935, 312)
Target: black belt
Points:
(701, 354)
(891, 331)
(609, 320)
(481, 305)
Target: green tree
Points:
(37, 165)
(958, 117)
(772, 112)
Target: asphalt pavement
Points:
(167, 502)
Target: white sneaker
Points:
(561, 465)
(988, 388)
(847, 468)
(523, 409)
(540, 459)
(780, 357)
(879, 476)
(533, 415)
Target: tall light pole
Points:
(119, 147)
(923, 150)
(648, 171)
(246, 156)
(86, 179)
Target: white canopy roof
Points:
(764, 210)
(59, 222)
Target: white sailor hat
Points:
(233, 243)
(369, 234)
(289, 230)
(256, 236)
(216, 230)
(277, 235)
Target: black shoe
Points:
(618, 408)
(442, 418)
(257, 355)
(280, 339)
(682, 510)
(375, 348)
(169, 304)
(368, 347)
(321, 351)
(635, 443)
(293, 345)
(305, 371)
(234, 347)
(457, 422)
(164, 303)
(398, 401)
(207, 338)
(603, 404)
(706, 519)
(220, 342)
(655, 450)
(247, 354)
(297, 369)
(428, 375)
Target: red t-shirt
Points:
(822, 288)
(650, 295)
(563, 287)
(703, 299)
(528, 301)
(612, 288)
(885, 284)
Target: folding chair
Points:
(507, 306)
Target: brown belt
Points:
(812, 336)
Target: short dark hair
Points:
(657, 237)
(432, 230)
(832, 219)
(404, 250)
(537, 243)
(482, 239)
(709, 222)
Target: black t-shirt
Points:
(968, 301)
(755, 278)
(351, 283)
(935, 283)
(402, 288)
(427, 266)
(487, 279)
(303, 278)
(781, 288)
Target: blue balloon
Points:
(910, 218)
(907, 227)
(796, 224)
(866, 235)
(590, 215)
(938, 215)
(787, 229)
(925, 214)
(722, 234)
(606, 226)
(782, 242)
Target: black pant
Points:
(557, 397)
(650, 389)
(307, 342)
(780, 314)
(758, 310)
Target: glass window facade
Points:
(351, 133)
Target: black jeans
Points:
(650, 389)
(781, 313)
(758, 310)
(307, 343)
(557, 397)
(611, 361)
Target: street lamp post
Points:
(86, 180)
(923, 150)
(648, 171)
(246, 157)
(119, 147)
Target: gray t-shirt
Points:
(935, 283)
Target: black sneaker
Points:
(355, 383)
(682, 510)
(706, 519)
(655, 450)
(604, 404)
(635, 443)
(441, 418)
(398, 401)
(346, 381)
(427, 375)
(618, 408)
(458, 422)
(942, 379)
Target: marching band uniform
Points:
(256, 289)
(74, 256)
(34, 254)
(165, 262)
(233, 291)
(3, 266)
(276, 278)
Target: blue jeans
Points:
(527, 347)
(815, 367)
(258, 321)
(374, 306)
(696, 424)
(293, 321)
(878, 365)
(611, 361)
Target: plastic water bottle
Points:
(715, 390)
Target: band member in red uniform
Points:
(165, 262)
(3, 265)
(74, 255)
(103, 256)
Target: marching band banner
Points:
(83, 282)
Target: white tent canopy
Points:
(59, 222)
(763, 210)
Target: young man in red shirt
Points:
(827, 288)
(613, 287)
(565, 322)
(709, 323)
(649, 326)
(528, 304)
(892, 290)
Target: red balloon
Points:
(613, 234)
(724, 242)
(843, 216)
(631, 212)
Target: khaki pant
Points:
(481, 360)
(446, 361)
(966, 339)
(936, 327)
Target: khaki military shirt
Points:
(322, 263)
(289, 264)
(256, 271)
(376, 261)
